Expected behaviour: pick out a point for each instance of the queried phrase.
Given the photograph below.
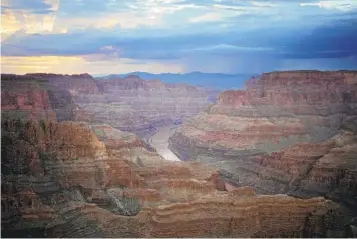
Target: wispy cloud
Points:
(208, 17)
(263, 4)
(342, 5)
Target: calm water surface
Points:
(160, 142)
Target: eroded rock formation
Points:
(96, 181)
(139, 106)
(25, 97)
(62, 88)
(130, 103)
(288, 132)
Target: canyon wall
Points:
(135, 105)
(288, 132)
(62, 88)
(130, 103)
(73, 179)
(25, 97)
(41, 96)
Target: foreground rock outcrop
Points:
(78, 180)
(288, 132)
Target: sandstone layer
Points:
(78, 180)
(288, 132)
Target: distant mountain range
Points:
(217, 81)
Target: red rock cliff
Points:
(25, 97)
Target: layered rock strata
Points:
(78, 180)
(288, 132)
(62, 88)
(130, 103)
(25, 97)
(139, 106)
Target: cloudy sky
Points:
(226, 36)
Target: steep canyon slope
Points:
(25, 97)
(130, 103)
(135, 105)
(73, 179)
(288, 132)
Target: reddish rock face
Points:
(25, 97)
(43, 96)
(301, 106)
(280, 134)
(295, 88)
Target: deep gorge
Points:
(89, 158)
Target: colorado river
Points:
(160, 142)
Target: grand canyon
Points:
(126, 157)
(178, 118)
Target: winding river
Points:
(160, 142)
